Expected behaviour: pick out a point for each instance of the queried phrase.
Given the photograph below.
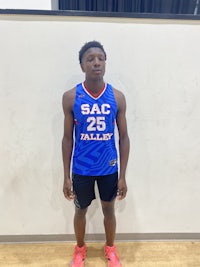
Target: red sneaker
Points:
(79, 256)
(112, 256)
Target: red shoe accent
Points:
(79, 256)
(112, 256)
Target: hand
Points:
(67, 189)
(122, 189)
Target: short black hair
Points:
(89, 45)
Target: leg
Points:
(110, 228)
(109, 221)
(83, 188)
(79, 225)
(79, 228)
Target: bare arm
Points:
(67, 141)
(124, 143)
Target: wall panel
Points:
(156, 64)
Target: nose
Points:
(96, 61)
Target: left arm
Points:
(124, 143)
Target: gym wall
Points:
(155, 63)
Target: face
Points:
(93, 63)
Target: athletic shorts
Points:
(84, 188)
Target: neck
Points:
(94, 86)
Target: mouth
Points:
(97, 70)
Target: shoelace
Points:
(79, 254)
(111, 253)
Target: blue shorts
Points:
(84, 188)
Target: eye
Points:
(90, 59)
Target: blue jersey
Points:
(95, 151)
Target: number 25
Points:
(97, 123)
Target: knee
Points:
(108, 210)
(80, 213)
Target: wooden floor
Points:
(132, 254)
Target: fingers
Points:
(68, 193)
(122, 189)
(67, 189)
(121, 194)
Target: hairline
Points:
(89, 45)
(92, 48)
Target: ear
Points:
(82, 67)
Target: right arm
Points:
(67, 141)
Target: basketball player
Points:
(92, 108)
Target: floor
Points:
(132, 254)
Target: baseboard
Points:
(100, 237)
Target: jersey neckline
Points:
(93, 95)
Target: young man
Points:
(91, 109)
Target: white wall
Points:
(28, 4)
(156, 64)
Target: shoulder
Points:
(69, 95)
(68, 99)
(120, 98)
(118, 93)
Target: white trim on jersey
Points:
(91, 95)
